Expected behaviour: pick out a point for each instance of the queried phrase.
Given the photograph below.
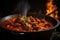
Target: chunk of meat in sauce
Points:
(47, 25)
(24, 27)
(34, 27)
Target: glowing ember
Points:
(51, 9)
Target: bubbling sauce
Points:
(26, 24)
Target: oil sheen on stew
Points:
(26, 24)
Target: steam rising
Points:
(23, 8)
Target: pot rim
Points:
(57, 24)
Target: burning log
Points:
(51, 9)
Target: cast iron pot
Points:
(39, 34)
(48, 18)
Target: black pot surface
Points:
(36, 35)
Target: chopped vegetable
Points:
(25, 18)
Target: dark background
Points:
(8, 6)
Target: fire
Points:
(51, 9)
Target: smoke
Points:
(23, 7)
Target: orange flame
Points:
(51, 9)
